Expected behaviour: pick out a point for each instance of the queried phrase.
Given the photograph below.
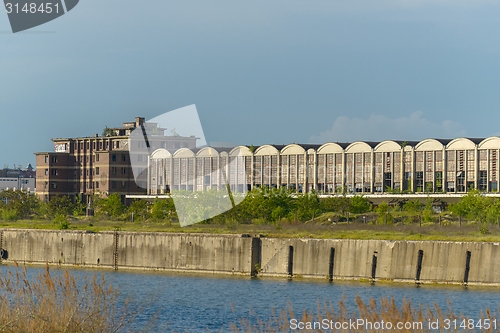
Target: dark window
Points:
(113, 157)
(439, 181)
(419, 181)
(97, 170)
(483, 180)
(461, 181)
(113, 184)
(124, 158)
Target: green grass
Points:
(468, 232)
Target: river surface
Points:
(195, 303)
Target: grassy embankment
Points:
(321, 227)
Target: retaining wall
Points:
(420, 261)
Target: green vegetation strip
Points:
(267, 212)
(465, 233)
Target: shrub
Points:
(10, 214)
(61, 222)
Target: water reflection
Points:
(194, 302)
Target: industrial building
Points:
(428, 166)
(100, 164)
(17, 178)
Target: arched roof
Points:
(184, 153)
(161, 153)
(292, 149)
(461, 143)
(240, 151)
(387, 146)
(207, 152)
(358, 147)
(266, 150)
(493, 142)
(330, 148)
(429, 145)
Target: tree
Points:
(383, 211)
(473, 206)
(108, 132)
(342, 204)
(111, 206)
(493, 213)
(359, 205)
(307, 206)
(139, 209)
(162, 209)
(18, 204)
(60, 205)
(414, 207)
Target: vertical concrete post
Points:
(290, 261)
(115, 250)
(256, 260)
(2, 252)
(467, 268)
(374, 266)
(419, 266)
(331, 264)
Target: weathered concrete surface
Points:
(442, 262)
(177, 252)
(185, 252)
(58, 247)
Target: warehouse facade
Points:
(428, 166)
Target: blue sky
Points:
(258, 71)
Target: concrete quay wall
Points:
(162, 251)
(408, 261)
(420, 261)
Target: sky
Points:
(258, 71)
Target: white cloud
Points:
(379, 127)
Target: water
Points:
(181, 302)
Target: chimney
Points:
(139, 121)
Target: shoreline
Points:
(378, 261)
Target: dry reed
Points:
(328, 318)
(59, 302)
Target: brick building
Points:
(99, 164)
